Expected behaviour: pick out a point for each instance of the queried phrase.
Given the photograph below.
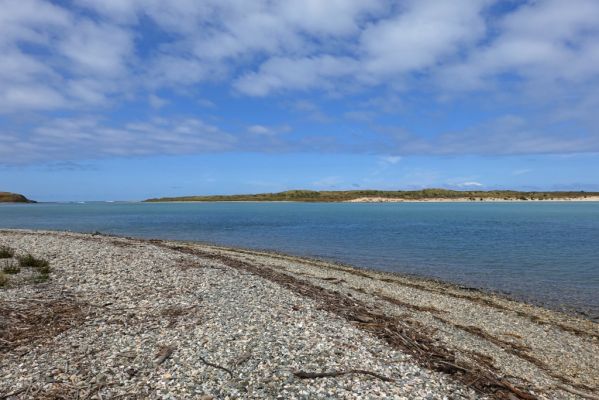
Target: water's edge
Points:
(567, 312)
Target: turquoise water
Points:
(540, 252)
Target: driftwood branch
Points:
(407, 335)
(16, 392)
(227, 370)
(312, 375)
(578, 392)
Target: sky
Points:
(130, 99)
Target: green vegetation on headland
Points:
(407, 195)
(7, 197)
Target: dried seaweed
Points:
(406, 335)
(34, 320)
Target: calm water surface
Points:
(540, 252)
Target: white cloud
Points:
(522, 171)
(206, 103)
(311, 111)
(122, 11)
(503, 135)
(296, 74)
(98, 49)
(299, 45)
(89, 91)
(88, 55)
(259, 130)
(333, 17)
(30, 20)
(15, 66)
(421, 35)
(90, 137)
(384, 163)
(156, 101)
(170, 70)
(31, 97)
(56, 59)
(543, 41)
(263, 130)
(391, 159)
(469, 184)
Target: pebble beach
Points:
(154, 319)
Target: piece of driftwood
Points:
(16, 392)
(578, 392)
(227, 370)
(312, 375)
(405, 334)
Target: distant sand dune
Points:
(463, 199)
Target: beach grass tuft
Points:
(29, 261)
(6, 252)
(39, 278)
(44, 270)
(11, 268)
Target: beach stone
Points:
(116, 302)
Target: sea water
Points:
(546, 253)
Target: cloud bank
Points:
(74, 68)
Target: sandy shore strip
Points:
(129, 318)
(468, 200)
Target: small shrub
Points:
(11, 268)
(3, 279)
(33, 262)
(40, 278)
(6, 252)
(44, 269)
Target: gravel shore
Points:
(129, 318)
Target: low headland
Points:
(97, 316)
(7, 197)
(369, 196)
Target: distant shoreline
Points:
(8, 197)
(385, 200)
(380, 196)
(466, 200)
(388, 200)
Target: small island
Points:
(7, 197)
(368, 196)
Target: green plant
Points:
(11, 268)
(45, 269)
(32, 262)
(39, 264)
(6, 252)
(40, 278)
(3, 279)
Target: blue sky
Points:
(128, 99)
